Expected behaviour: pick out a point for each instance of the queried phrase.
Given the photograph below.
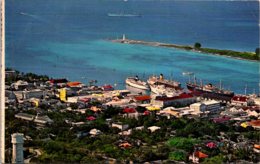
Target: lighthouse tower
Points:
(17, 141)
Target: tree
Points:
(257, 51)
(177, 155)
(197, 45)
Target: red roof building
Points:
(211, 145)
(142, 98)
(255, 124)
(182, 99)
(85, 99)
(221, 119)
(146, 113)
(199, 154)
(129, 110)
(74, 84)
(107, 88)
(241, 100)
(91, 118)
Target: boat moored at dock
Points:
(161, 81)
(210, 90)
(136, 83)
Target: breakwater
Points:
(228, 53)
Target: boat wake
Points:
(33, 16)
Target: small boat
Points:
(136, 83)
(187, 73)
(123, 15)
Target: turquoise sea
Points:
(67, 38)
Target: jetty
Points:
(149, 43)
(228, 53)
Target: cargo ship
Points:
(154, 80)
(210, 90)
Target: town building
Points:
(120, 126)
(198, 107)
(210, 105)
(181, 100)
(241, 100)
(36, 93)
(42, 120)
(25, 116)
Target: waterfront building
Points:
(181, 100)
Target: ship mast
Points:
(245, 89)
(194, 78)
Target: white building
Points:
(25, 116)
(198, 107)
(20, 85)
(36, 93)
(42, 120)
(120, 126)
(211, 106)
(17, 141)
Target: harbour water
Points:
(68, 39)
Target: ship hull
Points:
(131, 83)
(195, 88)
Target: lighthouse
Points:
(17, 141)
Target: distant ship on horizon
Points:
(123, 15)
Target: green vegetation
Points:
(257, 51)
(182, 143)
(29, 77)
(218, 159)
(177, 155)
(231, 53)
(64, 145)
(197, 45)
(243, 55)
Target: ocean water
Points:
(66, 38)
